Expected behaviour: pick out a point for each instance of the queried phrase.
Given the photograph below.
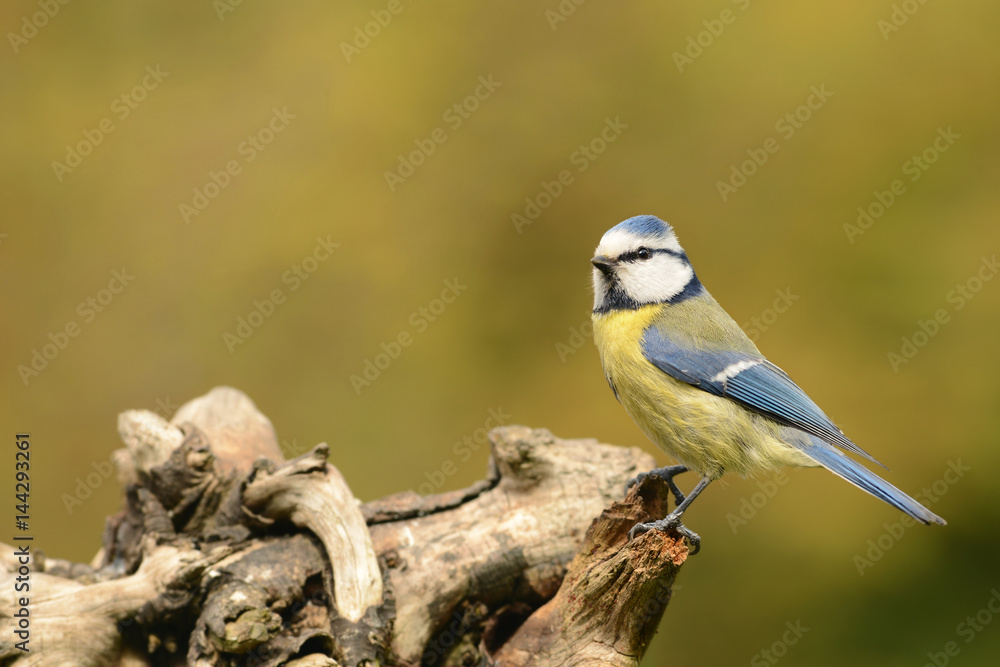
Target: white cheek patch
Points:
(659, 278)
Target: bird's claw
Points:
(635, 480)
(665, 525)
(667, 474)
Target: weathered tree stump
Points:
(225, 554)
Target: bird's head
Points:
(640, 262)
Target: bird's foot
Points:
(667, 474)
(670, 522)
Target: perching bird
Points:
(697, 386)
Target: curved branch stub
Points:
(313, 494)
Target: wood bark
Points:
(225, 554)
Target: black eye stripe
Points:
(633, 255)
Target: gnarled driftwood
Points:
(226, 554)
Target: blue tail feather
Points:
(863, 478)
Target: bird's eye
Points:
(643, 253)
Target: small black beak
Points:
(604, 264)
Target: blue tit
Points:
(697, 386)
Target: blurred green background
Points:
(691, 87)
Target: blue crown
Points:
(645, 225)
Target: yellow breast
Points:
(709, 434)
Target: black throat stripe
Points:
(617, 299)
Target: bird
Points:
(697, 386)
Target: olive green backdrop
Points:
(216, 153)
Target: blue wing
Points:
(748, 379)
